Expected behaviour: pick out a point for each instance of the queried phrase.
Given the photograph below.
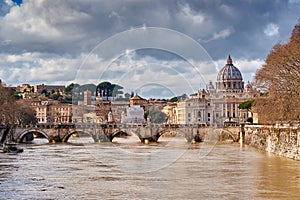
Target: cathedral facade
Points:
(215, 105)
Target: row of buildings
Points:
(216, 104)
(94, 111)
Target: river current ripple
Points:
(127, 169)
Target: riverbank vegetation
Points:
(279, 82)
(13, 114)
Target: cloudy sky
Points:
(158, 48)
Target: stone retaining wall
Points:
(282, 141)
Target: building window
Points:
(199, 114)
(189, 114)
(228, 106)
(208, 114)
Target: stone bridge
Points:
(106, 132)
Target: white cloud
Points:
(37, 68)
(222, 34)
(228, 10)
(42, 21)
(191, 16)
(219, 35)
(271, 30)
(132, 72)
(294, 1)
(9, 3)
(114, 14)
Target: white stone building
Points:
(134, 114)
(216, 105)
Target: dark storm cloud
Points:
(68, 30)
(247, 21)
(77, 26)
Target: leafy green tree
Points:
(56, 96)
(17, 95)
(69, 88)
(178, 98)
(45, 92)
(174, 99)
(127, 96)
(90, 87)
(246, 105)
(107, 89)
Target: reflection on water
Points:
(127, 169)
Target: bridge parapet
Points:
(106, 132)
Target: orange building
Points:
(137, 100)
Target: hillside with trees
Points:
(105, 90)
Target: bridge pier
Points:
(149, 133)
(198, 138)
(189, 137)
(55, 139)
(149, 139)
(192, 134)
(242, 134)
(3, 134)
(105, 138)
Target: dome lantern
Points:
(229, 60)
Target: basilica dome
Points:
(229, 78)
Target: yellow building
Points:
(171, 112)
(137, 100)
(50, 111)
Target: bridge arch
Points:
(120, 133)
(29, 131)
(164, 131)
(67, 136)
(227, 134)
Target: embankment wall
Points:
(280, 140)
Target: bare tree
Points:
(6, 104)
(12, 113)
(279, 80)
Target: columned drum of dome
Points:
(229, 78)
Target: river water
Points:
(127, 169)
